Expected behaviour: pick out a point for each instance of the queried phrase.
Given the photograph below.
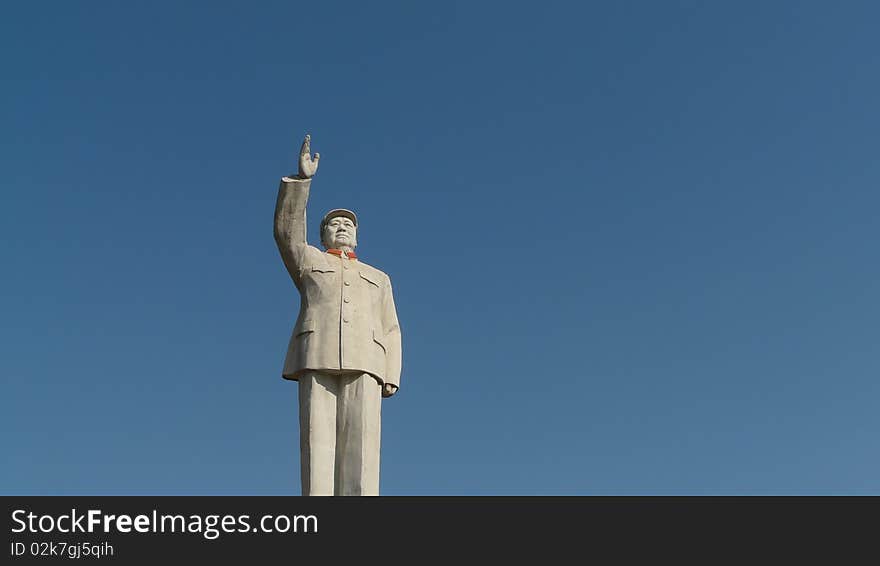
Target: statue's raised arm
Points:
(290, 210)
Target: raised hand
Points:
(307, 165)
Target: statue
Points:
(345, 350)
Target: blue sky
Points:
(633, 244)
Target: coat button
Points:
(345, 320)
(348, 283)
(346, 299)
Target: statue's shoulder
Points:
(314, 256)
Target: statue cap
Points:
(339, 212)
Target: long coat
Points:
(347, 319)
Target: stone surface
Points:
(340, 433)
(345, 349)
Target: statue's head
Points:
(339, 229)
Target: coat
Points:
(347, 318)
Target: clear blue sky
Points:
(634, 244)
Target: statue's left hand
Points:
(389, 389)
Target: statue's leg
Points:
(317, 432)
(359, 434)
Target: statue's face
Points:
(340, 232)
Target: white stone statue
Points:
(345, 350)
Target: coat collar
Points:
(338, 253)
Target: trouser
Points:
(339, 423)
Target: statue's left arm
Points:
(393, 351)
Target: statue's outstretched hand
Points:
(307, 165)
(388, 389)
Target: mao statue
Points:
(345, 350)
